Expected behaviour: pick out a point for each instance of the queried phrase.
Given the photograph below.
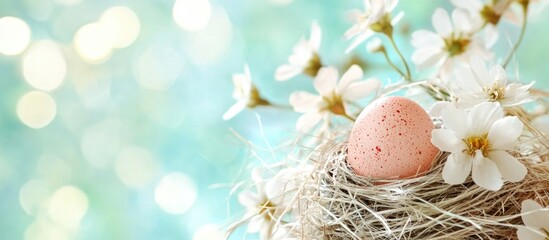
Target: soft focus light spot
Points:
(176, 193)
(55, 169)
(15, 35)
(210, 44)
(122, 24)
(100, 143)
(33, 196)
(67, 2)
(44, 66)
(163, 108)
(208, 232)
(45, 230)
(36, 109)
(135, 166)
(67, 206)
(280, 2)
(158, 68)
(192, 15)
(93, 43)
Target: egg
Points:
(390, 139)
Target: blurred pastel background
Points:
(110, 110)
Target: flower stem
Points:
(521, 36)
(392, 64)
(348, 117)
(408, 75)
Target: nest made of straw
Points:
(338, 204)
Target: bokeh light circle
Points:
(208, 232)
(192, 15)
(33, 196)
(36, 109)
(135, 166)
(67, 206)
(44, 66)
(122, 24)
(158, 68)
(93, 43)
(176, 193)
(15, 36)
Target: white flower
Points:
(474, 84)
(452, 43)
(265, 206)
(245, 93)
(478, 140)
(375, 45)
(376, 17)
(304, 58)
(536, 219)
(333, 95)
(489, 12)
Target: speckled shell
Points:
(391, 139)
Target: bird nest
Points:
(335, 203)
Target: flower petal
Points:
(498, 74)
(255, 224)
(486, 173)
(326, 80)
(457, 168)
(308, 121)
(424, 38)
(454, 119)
(286, 72)
(441, 22)
(235, 109)
(480, 71)
(446, 140)
(471, 5)
(428, 57)
(510, 168)
(462, 21)
(437, 107)
(532, 214)
(354, 73)
(248, 199)
(358, 90)
(316, 36)
(482, 116)
(303, 101)
(526, 233)
(359, 39)
(397, 18)
(504, 132)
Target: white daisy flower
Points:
(304, 59)
(475, 84)
(536, 219)
(376, 17)
(245, 93)
(333, 96)
(487, 12)
(452, 43)
(265, 206)
(478, 140)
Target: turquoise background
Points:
(181, 127)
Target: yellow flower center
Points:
(335, 104)
(255, 99)
(383, 25)
(314, 65)
(456, 45)
(489, 15)
(495, 93)
(267, 208)
(475, 143)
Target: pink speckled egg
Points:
(391, 139)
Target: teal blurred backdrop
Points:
(111, 123)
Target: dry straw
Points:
(335, 203)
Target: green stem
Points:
(408, 76)
(392, 64)
(521, 36)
